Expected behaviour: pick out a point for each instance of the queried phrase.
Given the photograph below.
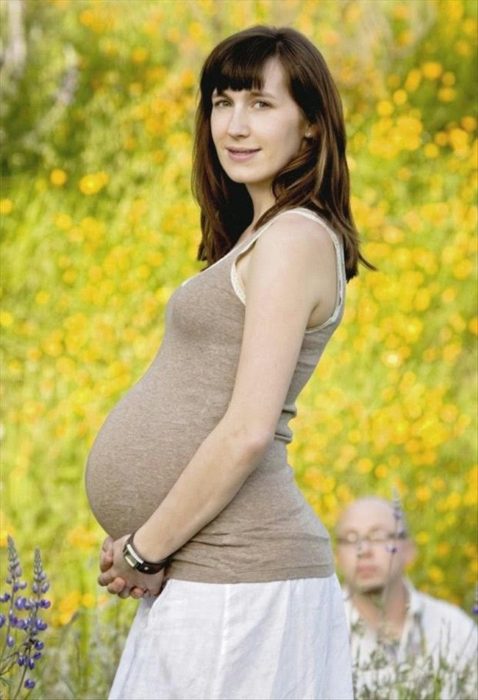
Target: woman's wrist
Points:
(147, 546)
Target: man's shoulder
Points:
(440, 609)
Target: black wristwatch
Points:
(136, 561)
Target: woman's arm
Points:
(289, 272)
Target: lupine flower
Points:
(22, 648)
(400, 526)
(474, 609)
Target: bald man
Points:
(399, 636)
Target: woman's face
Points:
(257, 133)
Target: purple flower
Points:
(474, 609)
(22, 629)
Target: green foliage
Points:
(99, 227)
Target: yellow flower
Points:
(67, 607)
(364, 465)
(392, 359)
(436, 574)
(93, 183)
(462, 269)
(446, 94)
(385, 108)
(431, 150)
(6, 206)
(139, 54)
(423, 494)
(88, 600)
(58, 177)
(422, 537)
(42, 297)
(448, 78)
(441, 138)
(381, 471)
(463, 48)
(400, 97)
(413, 80)
(468, 123)
(432, 70)
(401, 11)
(63, 221)
(6, 319)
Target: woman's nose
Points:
(238, 123)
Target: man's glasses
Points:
(378, 537)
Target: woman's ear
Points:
(311, 132)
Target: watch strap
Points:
(136, 561)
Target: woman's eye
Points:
(260, 102)
(219, 103)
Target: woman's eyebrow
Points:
(262, 93)
(255, 93)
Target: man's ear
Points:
(409, 552)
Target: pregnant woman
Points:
(188, 474)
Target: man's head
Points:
(373, 547)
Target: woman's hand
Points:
(121, 579)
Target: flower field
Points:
(99, 226)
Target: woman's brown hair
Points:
(316, 178)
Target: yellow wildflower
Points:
(58, 177)
(432, 70)
(6, 319)
(93, 183)
(446, 94)
(6, 206)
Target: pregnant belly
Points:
(138, 454)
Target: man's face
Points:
(369, 554)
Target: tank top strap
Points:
(339, 257)
(337, 241)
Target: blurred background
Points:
(99, 226)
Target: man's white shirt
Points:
(438, 640)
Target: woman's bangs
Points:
(242, 70)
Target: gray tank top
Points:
(268, 531)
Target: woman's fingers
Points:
(106, 578)
(137, 592)
(106, 554)
(118, 585)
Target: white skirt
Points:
(283, 640)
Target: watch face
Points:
(129, 559)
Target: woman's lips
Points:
(242, 154)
